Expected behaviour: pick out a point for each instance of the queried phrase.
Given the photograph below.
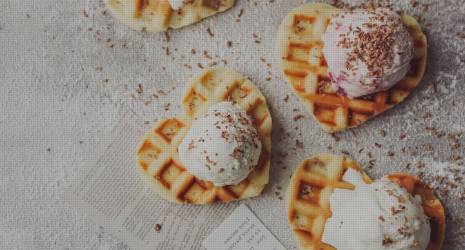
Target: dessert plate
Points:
(157, 15)
(299, 48)
(157, 155)
(313, 183)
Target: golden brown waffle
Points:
(314, 181)
(158, 158)
(431, 205)
(300, 53)
(157, 15)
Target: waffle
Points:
(431, 205)
(299, 48)
(158, 159)
(157, 15)
(313, 183)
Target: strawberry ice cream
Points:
(367, 51)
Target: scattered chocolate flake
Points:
(305, 190)
(383, 133)
(167, 36)
(209, 31)
(206, 55)
(167, 51)
(387, 241)
(298, 117)
(371, 163)
(140, 89)
(335, 137)
(286, 98)
(373, 47)
(84, 13)
(241, 12)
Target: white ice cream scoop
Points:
(381, 216)
(222, 147)
(367, 51)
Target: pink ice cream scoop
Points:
(367, 51)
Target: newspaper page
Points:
(242, 230)
(114, 196)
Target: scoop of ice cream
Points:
(367, 51)
(222, 147)
(177, 4)
(381, 215)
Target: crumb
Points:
(298, 117)
(84, 13)
(140, 89)
(209, 31)
(241, 12)
(167, 36)
(286, 99)
(383, 133)
(335, 137)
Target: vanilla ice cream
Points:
(381, 216)
(367, 51)
(177, 4)
(222, 147)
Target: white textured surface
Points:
(63, 88)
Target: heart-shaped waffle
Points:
(157, 15)
(158, 159)
(315, 179)
(299, 47)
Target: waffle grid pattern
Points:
(158, 156)
(157, 15)
(315, 179)
(303, 64)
